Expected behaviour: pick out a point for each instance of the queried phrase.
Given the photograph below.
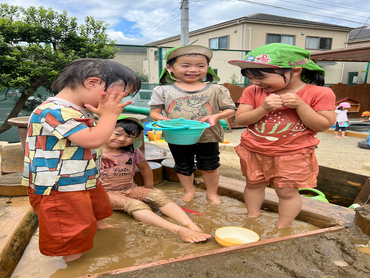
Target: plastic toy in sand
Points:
(365, 144)
(231, 236)
(366, 114)
(318, 195)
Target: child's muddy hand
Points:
(109, 104)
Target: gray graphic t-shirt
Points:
(177, 103)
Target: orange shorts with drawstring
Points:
(67, 220)
(296, 170)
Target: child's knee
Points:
(184, 170)
(158, 197)
(135, 205)
(287, 193)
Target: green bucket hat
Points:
(137, 142)
(167, 78)
(278, 55)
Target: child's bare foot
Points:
(102, 225)
(282, 226)
(187, 196)
(215, 199)
(70, 258)
(337, 137)
(194, 227)
(344, 137)
(191, 236)
(250, 215)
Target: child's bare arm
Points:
(146, 173)
(109, 109)
(314, 120)
(156, 114)
(213, 119)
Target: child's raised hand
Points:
(272, 102)
(291, 100)
(109, 104)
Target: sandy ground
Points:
(329, 255)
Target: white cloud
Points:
(148, 14)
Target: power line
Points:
(339, 6)
(143, 35)
(288, 9)
(322, 9)
(361, 29)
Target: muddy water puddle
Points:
(134, 243)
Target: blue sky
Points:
(144, 21)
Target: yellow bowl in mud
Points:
(231, 236)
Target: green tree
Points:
(234, 79)
(37, 43)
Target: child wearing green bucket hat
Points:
(124, 195)
(283, 109)
(188, 93)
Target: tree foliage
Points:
(37, 43)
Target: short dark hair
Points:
(130, 127)
(110, 72)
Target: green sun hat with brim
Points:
(137, 142)
(165, 77)
(278, 55)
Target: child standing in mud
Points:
(284, 108)
(63, 154)
(188, 93)
(125, 195)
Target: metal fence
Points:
(146, 61)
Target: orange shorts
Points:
(67, 220)
(296, 170)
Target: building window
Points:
(318, 43)
(286, 39)
(219, 43)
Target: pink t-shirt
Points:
(120, 177)
(281, 132)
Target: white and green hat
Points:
(278, 55)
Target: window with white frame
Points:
(318, 43)
(277, 38)
(219, 43)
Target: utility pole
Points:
(184, 22)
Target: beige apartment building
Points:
(357, 72)
(233, 39)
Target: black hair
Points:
(109, 72)
(307, 76)
(131, 128)
(209, 77)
